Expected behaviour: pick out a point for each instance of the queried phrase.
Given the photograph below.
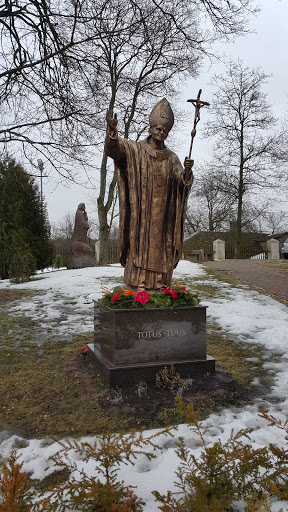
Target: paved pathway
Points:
(269, 276)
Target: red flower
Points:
(182, 287)
(142, 297)
(171, 292)
(116, 297)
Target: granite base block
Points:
(130, 375)
(81, 262)
(134, 345)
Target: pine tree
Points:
(58, 261)
(24, 226)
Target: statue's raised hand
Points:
(111, 121)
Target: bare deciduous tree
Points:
(273, 221)
(64, 227)
(242, 124)
(218, 206)
(196, 218)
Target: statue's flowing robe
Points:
(152, 210)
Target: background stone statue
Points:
(81, 252)
(153, 188)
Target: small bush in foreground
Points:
(15, 492)
(103, 492)
(225, 472)
(222, 474)
(167, 378)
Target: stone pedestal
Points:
(97, 251)
(81, 262)
(273, 249)
(133, 345)
(219, 250)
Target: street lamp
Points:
(41, 168)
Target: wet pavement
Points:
(268, 276)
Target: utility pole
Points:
(41, 168)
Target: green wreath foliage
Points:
(160, 299)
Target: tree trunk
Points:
(240, 196)
(238, 230)
(210, 220)
(103, 233)
(103, 210)
(102, 214)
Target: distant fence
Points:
(114, 251)
(261, 256)
(248, 249)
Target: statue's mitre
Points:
(162, 113)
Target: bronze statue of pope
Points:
(153, 188)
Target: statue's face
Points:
(159, 132)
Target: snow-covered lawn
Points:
(63, 304)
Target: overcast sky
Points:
(266, 48)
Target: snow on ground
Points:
(63, 300)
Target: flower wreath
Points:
(178, 296)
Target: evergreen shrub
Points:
(102, 492)
(226, 472)
(223, 474)
(23, 221)
(16, 494)
(58, 263)
(22, 267)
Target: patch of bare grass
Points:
(52, 392)
(244, 362)
(11, 295)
